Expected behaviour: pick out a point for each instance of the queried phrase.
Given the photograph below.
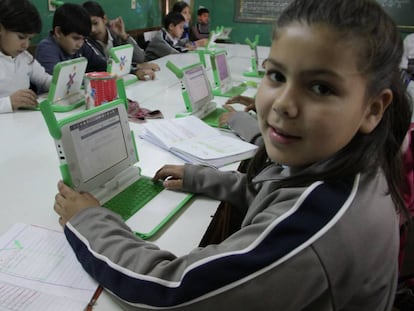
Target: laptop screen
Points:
(198, 86)
(98, 147)
(100, 143)
(222, 68)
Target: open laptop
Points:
(120, 62)
(225, 34)
(197, 93)
(224, 85)
(65, 92)
(97, 154)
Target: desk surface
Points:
(30, 167)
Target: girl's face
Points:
(312, 100)
(177, 30)
(13, 43)
(186, 13)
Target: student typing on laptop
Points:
(71, 25)
(19, 22)
(324, 185)
(106, 34)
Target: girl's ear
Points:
(375, 110)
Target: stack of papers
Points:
(39, 271)
(196, 142)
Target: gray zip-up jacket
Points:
(327, 246)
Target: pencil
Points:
(94, 298)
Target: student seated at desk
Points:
(201, 29)
(71, 25)
(106, 34)
(321, 198)
(166, 41)
(19, 23)
(187, 37)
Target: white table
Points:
(29, 167)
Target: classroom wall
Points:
(147, 14)
(222, 12)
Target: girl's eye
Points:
(276, 76)
(322, 89)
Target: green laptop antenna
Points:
(180, 75)
(254, 72)
(50, 119)
(177, 71)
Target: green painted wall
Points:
(222, 13)
(147, 14)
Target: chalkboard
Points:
(402, 11)
(267, 11)
(259, 11)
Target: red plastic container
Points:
(100, 88)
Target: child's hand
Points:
(190, 46)
(201, 42)
(224, 117)
(152, 66)
(69, 202)
(172, 175)
(23, 98)
(145, 74)
(244, 100)
(118, 26)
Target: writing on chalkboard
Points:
(265, 11)
(394, 3)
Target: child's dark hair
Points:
(20, 16)
(380, 49)
(94, 9)
(179, 6)
(201, 11)
(173, 18)
(72, 18)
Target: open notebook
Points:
(197, 93)
(224, 84)
(120, 62)
(66, 91)
(97, 154)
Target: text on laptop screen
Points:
(197, 86)
(222, 66)
(100, 143)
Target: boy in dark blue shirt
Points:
(71, 26)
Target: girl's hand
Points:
(224, 117)
(69, 202)
(23, 98)
(172, 176)
(244, 100)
